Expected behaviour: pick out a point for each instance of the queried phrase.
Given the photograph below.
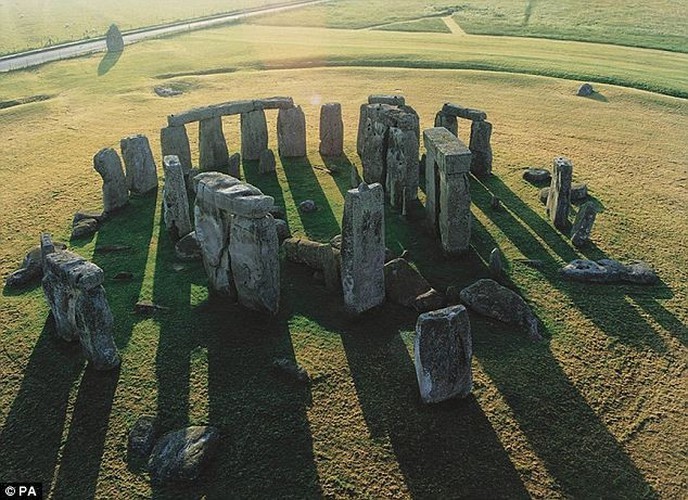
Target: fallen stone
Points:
(83, 228)
(319, 256)
(331, 130)
(585, 90)
(181, 455)
(188, 248)
(496, 266)
(443, 352)
(146, 307)
(139, 164)
(112, 248)
(166, 91)
(489, 298)
(609, 271)
(141, 440)
(123, 276)
(266, 163)
(307, 206)
(283, 231)
(582, 227)
(31, 269)
(534, 263)
(79, 216)
(288, 369)
(407, 287)
(291, 132)
(537, 175)
(115, 188)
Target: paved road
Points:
(68, 50)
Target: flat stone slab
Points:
(392, 100)
(609, 271)
(407, 287)
(537, 175)
(180, 455)
(228, 108)
(462, 112)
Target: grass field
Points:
(596, 410)
(426, 24)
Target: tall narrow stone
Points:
(447, 121)
(139, 164)
(115, 192)
(582, 227)
(402, 166)
(443, 352)
(254, 134)
(212, 145)
(291, 132)
(481, 162)
(559, 197)
(175, 199)
(175, 141)
(331, 130)
(363, 248)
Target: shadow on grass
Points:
(268, 183)
(108, 62)
(340, 168)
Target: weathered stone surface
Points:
(85, 227)
(162, 91)
(139, 164)
(113, 39)
(307, 206)
(175, 200)
(582, 227)
(461, 112)
(228, 108)
(496, 265)
(585, 90)
(254, 251)
(537, 175)
(402, 166)
(277, 102)
(175, 141)
(331, 130)
(254, 134)
(291, 132)
(407, 287)
(115, 191)
(489, 298)
(559, 196)
(188, 248)
(363, 248)
(282, 229)
(609, 271)
(447, 121)
(234, 165)
(579, 192)
(448, 197)
(181, 455)
(83, 214)
(443, 352)
(32, 266)
(141, 439)
(392, 100)
(266, 163)
(74, 292)
(481, 161)
(212, 145)
(318, 256)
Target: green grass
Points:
(427, 25)
(594, 409)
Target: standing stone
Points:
(331, 130)
(481, 162)
(496, 265)
(139, 163)
(443, 352)
(402, 166)
(266, 163)
(447, 121)
(175, 199)
(582, 227)
(113, 39)
(254, 134)
(175, 141)
(559, 196)
(212, 145)
(363, 248)
(234, 164)
(115, 192)
(291, 132)
(373, 149)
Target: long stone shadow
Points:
(320, 225)
(108, 62)
(32, 434)
(340, 168)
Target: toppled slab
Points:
(609, 271)
(407, 287)
(181, 455)
(32, 267)
(318, 256)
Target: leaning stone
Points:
(481, 149)
(83, 228)
(233, 166)
(175, 141)
(537, 175)
(115, 191)
(181, 455)
(187, 248)
(582, 227)
(141, 440)
(307, 206)
(331, 130)
(175, 200)
(212, 145)
(291, 132)
(291, 371)
(559, 197)
(496, 265)
(266, 163)
(254, 134)
(585, 90)
(407, 287)
(609, 271)
(139, 164)
(392, 100)
(489, 298)
(443, 352)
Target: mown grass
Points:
(593, 411)
(427, 25)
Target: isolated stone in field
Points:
(175, 200)
(84, 228)
(402, 158)
(331, 130)
(291, 132)
(187, 248)
(496, 265)
(559, 196)
(175, 141)
(115, 191)
(481, 161)
(582, 227)
(139, 164)
(537, 175)
(489, 298)
(609, 271)
(318, 256)
(307, 206)
(443, 352)
(233, 166)
(141, 439)
(407, 287)
(254, 134)
(585, 90)
(113, 39)
(212, 145)
(266, 163)
(161, 91)
(392, 100)
(181, 455)
(73, 289)
(447, 121)
(363, 248)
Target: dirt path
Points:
(453, 26)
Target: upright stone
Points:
(175, 199)
(212, 145)
(234, 164)
(291, 132)
(481, 162)
(254, 134)
(373, 135)
(559, 197)
(363, 248)
(331, 130)
(447, 121)
(402, 166)
(114, 40)
(139, 164)
(115, 192)
(175, 141)
(443, 352)
(582, 227)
